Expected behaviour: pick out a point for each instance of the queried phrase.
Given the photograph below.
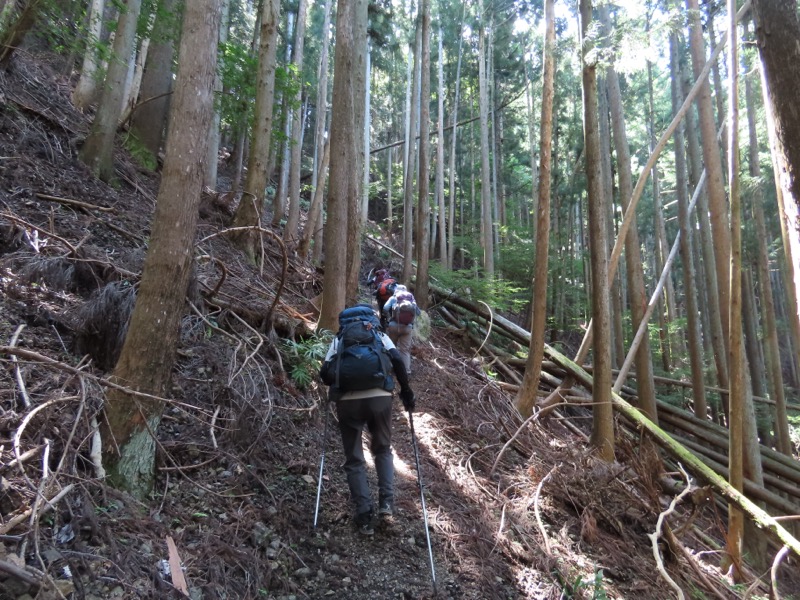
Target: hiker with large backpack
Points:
(400, 311)
(384, 285)
(358, 368)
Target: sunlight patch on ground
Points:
(401, 467)
(442, 449)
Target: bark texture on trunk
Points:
(526, 398)
(777, 32)
(603, 416)
(148, 353)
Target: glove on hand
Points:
(409, 402)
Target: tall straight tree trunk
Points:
(281, 150)
(98, 148)
(148, 353)
(423, 213)
(617, 330)
(735, 334)
(149, 122)
(755, 356)
(440, 155)
(693, 330)
(719, 90)
(320, 145)
(315, 210)
(451, 227)
(214, 132)
(487, 235)
(296, 153)
(709, 271)
(526, 397)
(366, 139)
(296, 148)
(389, 182)
(772, 354)
(717, 204)
(633, 257)
(410, 167)
(344, 143)
(777, 32)
(602, 437)
(133, 83)
(667, 314)
(359, 72)
(86, 89)
(251, 206)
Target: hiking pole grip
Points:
(422, 499)
(322, 464)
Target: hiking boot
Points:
(364, 523)
(386, 510)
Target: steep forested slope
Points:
(240, 443)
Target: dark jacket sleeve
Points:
(399, 369)
(327, 374)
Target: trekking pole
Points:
(422, 499)
(322, 463)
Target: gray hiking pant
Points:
(376, 414)
(401, 337)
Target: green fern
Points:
(303, 357)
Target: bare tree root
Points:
(773, 573)
(654, 537)
(284, 255)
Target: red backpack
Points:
(385, 289)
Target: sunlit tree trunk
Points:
(617, 330)
(693, 330)
(526, 397)
(602, 437)
(133, 83)
(736, 359)
(366, 138)
(411, 157)
(442, 214)
(313, 228)
(280, 152)
(719, 90)
(423, 202)
(315, 210)
(85, 90)
(633, 256)
(717, 204)
(666, 314)
(487, 235)
(98, 148)
(296, 154)
(451, 224)
(148, 353)
(708, 272)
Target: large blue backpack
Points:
(362, 361)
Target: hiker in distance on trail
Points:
(399, 312)
(358, 368)
(384, 285)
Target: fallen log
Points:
(759, 516)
